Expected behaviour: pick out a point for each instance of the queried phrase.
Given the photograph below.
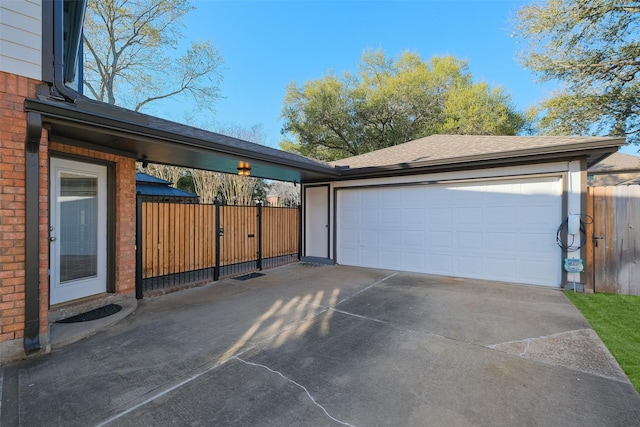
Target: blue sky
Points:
(268, 44)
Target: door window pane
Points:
(78, 202)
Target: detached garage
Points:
(480, 207)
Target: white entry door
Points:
(78, 230)
(316, 202)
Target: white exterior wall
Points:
(574, 208)
(570, 170)
(21, 37)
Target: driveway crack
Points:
(297, 384)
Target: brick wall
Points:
(13, 90)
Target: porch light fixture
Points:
(244, 169)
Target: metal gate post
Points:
(139, 293)
(299, 232)
(216, 268)
(259, 209)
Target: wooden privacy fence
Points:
(189, 243)
(613, 240)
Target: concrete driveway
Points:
(311, 345)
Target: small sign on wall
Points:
(573, 265)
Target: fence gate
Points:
(181, 244)
(613, 239)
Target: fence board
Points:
(610, 266)
(590, 246)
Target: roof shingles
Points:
(450, 148)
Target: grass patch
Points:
(616, 319)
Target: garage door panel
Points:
(349, 255)
(441, 240)
(350, 217)
(390, 198)
(500, 268)
(369, 217)
(350, 236)
(536, 215)
(369, 198)
(465, 196)
(468, 241)
(440, 263)
(390, 216)
(500, 216)
(468, 216)
(536, 243)
(369, 257)
(414, 216)
(440, 215)
(350, 199)
(537, 272)
(415, 261)
(369, 237)
(500, 241)
(469, 266)
(390, 259)
(541, 188)
(390, 238)
(414, 238)
(502, 230)
(413, 196)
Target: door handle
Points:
(52, 239)
(596, 238)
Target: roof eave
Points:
(594, 153)
(71, 116)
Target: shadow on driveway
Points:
(331, 345)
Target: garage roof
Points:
(462, 151)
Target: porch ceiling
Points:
(119, 131)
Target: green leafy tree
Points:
(593, 48)
(391, 102)
(186, 183)
(131, 54)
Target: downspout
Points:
(62, 74)
(32, 233)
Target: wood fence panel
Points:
(239, 242)
(280, 231)
(177, 238)
(616, 239)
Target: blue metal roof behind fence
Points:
(151, 186)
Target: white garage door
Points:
(494, 230)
